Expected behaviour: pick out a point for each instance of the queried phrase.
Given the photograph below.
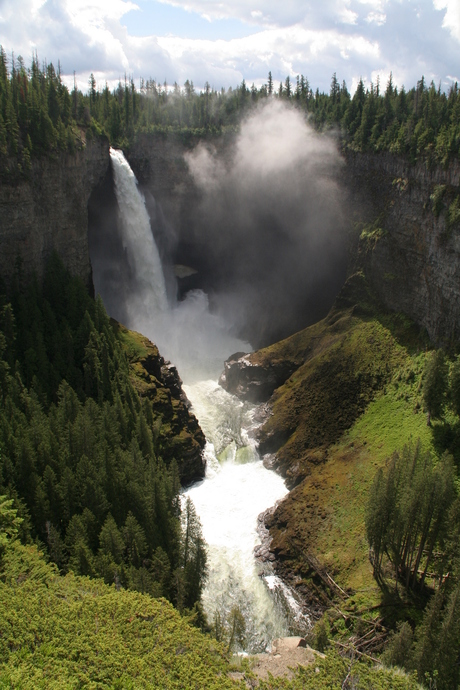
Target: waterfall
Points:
(237, 486)
(138, 242)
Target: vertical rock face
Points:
(48, 211)
(410, 255)
(165, 179)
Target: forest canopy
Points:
(39, 116)
(82, 453)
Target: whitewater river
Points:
(237, 487)
(236, 490)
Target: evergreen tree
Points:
(407, 512)
(435, 385)
(193, 559)
(77, 444)
(270, 84)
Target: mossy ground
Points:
(135, 345)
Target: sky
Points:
(225, 42)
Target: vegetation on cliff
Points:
(413, 523)
(367, 469)
(90, 445)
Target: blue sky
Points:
(224, 42)
(161, 19)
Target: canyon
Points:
(401, 256)
(409, 256)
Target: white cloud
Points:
(347, 16)
(295, 48)
(275, 14)
(354, 38)
(452, 15)
(378, 18)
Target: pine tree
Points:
(435, 385)
(193, 555)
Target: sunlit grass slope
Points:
(354, 400)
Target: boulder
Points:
(252, 381)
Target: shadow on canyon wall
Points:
(261, 218)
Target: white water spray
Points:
(237, 487)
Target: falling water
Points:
(237, 487)
(138, 242)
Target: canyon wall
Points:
(48, 210)
(172, 199)
(402, 240)
(407, 248)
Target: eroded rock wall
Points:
(410, 255)
(48, 210)
(178, 436)
(170, 192)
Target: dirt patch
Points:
(288, 653)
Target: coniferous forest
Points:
(38, 114)
(81, 452)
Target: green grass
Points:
(395, 416)
(394, 419)
(134, 344)
(355, 400)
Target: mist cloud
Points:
(272, 217)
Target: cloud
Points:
(273, 14)
(354, 38)
(283, 51)
(452, 16)
(84, 35)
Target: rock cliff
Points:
(48, 210)
(177, 433)
(408, 250)
(172, 199)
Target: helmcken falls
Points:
(237, 487)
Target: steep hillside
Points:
(95, 437)
(179, 434)
(68, 632)
(338, 376)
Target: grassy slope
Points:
(389, 422)
(353, 402)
